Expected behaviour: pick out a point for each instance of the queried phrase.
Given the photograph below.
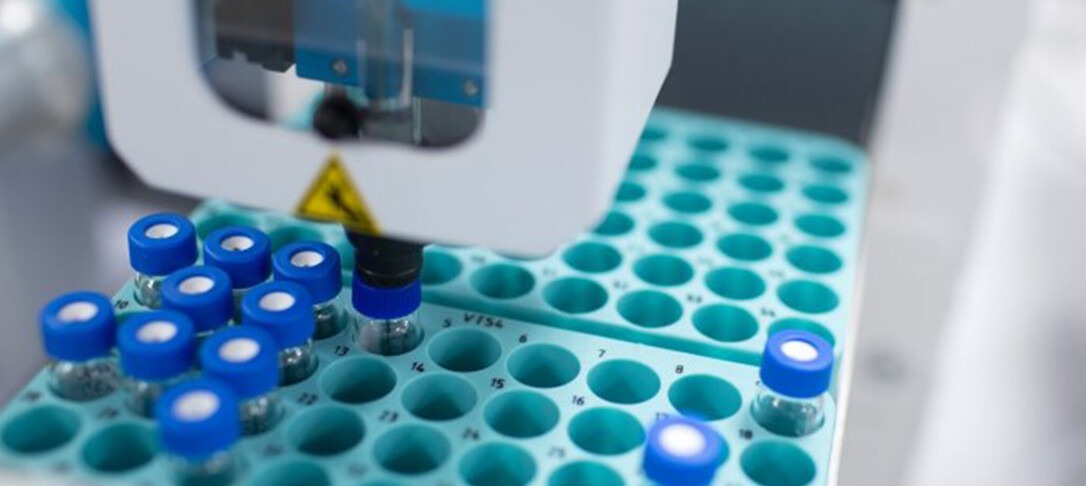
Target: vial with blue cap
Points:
(202, 293)
(79, 332)
(796, 370)
(386, 293)
(315, 266)
(158, 245)
(246, 359)
(198, 428)
(683, 451)
(242, 252)
(158, 350)
(388, 321)
(285, 311)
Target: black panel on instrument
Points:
(261, 30)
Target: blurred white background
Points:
(1008, 403)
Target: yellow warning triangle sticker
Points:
(333, 197)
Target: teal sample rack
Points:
(549, 370)
(721, 234)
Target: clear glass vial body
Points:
(297, 363)
(149, 290)
(83, 381)
(260, 414)
(788, 416)
(388, 337)
(329, 318)
(141, 396)
(218, 470)
(239, 295)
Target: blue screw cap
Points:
(78, 327)
(157, 346)
(797, 364)
(161, 244)
(385, 303)
(198, 419)
(243, 253)
(314, 265)
(245, 358)
(682, 451)
(203, 293)
(283, 309)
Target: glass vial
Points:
(246, 358)
(788, 416)
(388, 322)
(157, 350)
(682, 451)
(149, 290)
(158, 245)
(796, 370)
(198, 426)
(330, 320)
(285, 311)
(297, 363)
(244, 254)
(203, 294)
(317, 267)
(83, 381)
(389, 337)
(79, 332)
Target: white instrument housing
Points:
(571, 84)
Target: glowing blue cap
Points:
(385, 303)
(314, 265)
(78, 327)
(203, 293)
(157, 346)
(161, 244)
(797, 364)
(243, 253)
(245, 358)
(682, 451)
(198, 419)
(283, 309)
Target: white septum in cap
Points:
(161, 231)
(306, 259)
(76, 312)
(239, 350)
(277, 301)
(682, 440)
(237, 243)
(156, 332)
(195, 406)
(196, 285)
(799, 350)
